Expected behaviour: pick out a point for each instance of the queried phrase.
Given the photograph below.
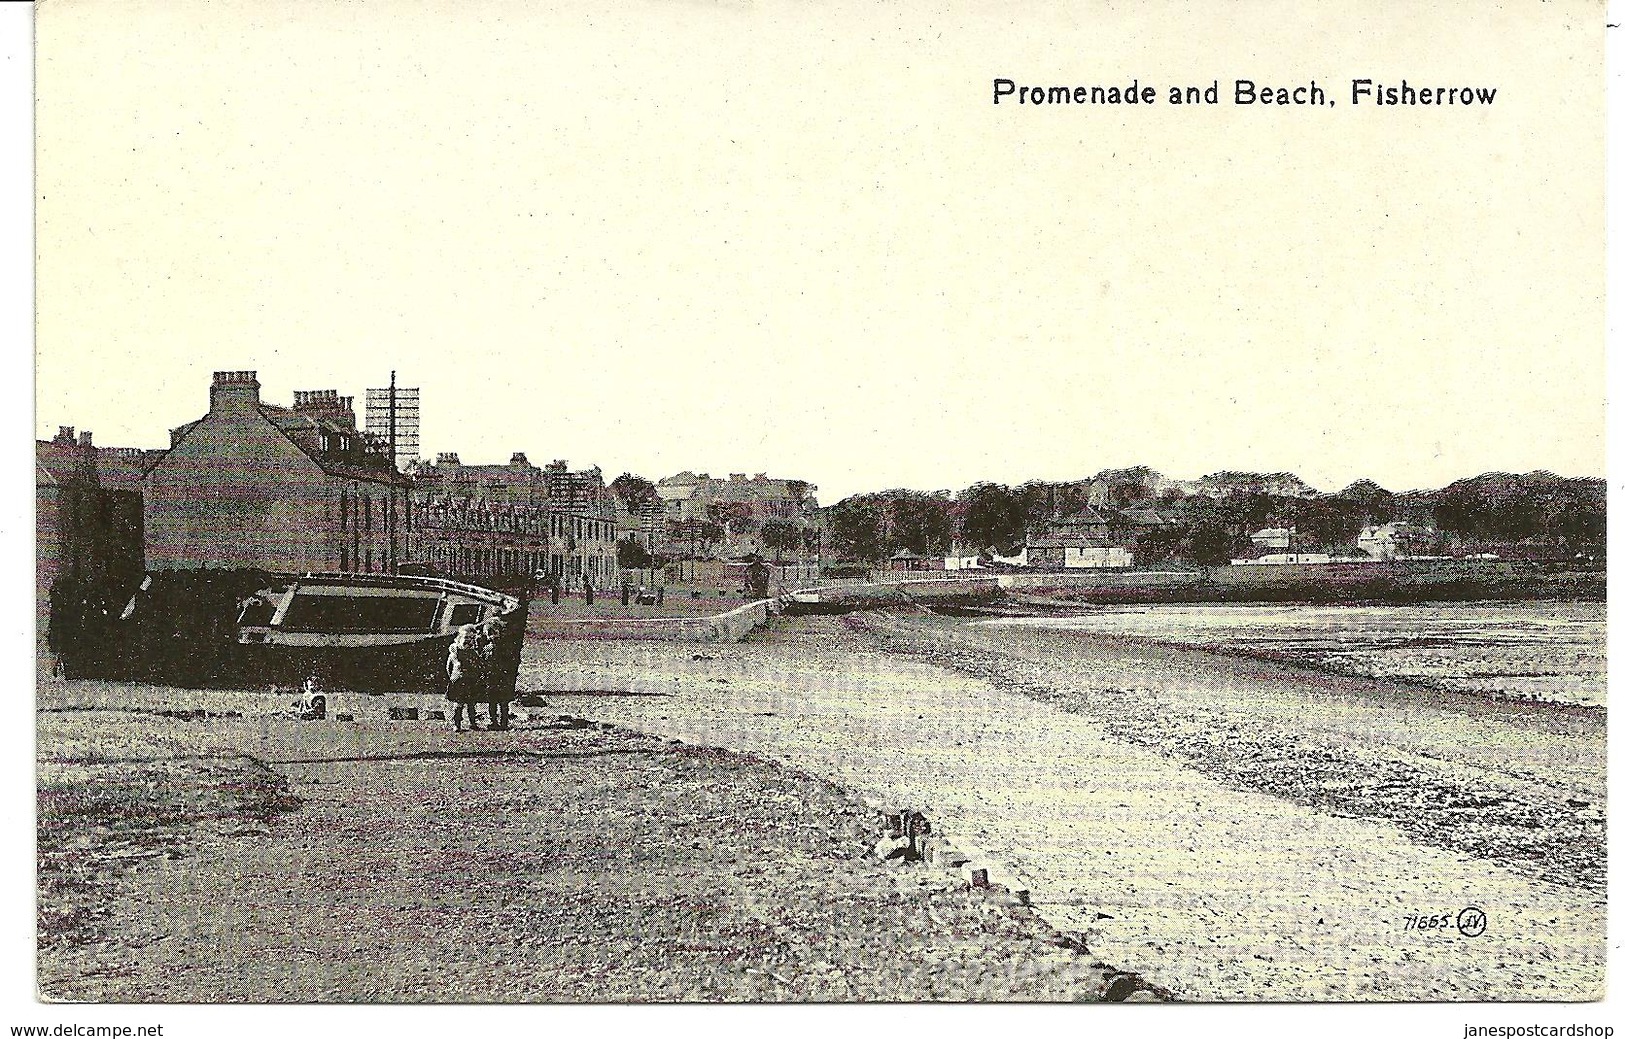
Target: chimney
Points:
(326, 404)
(64, 434)
(519, 461)
(446, 458)
(84, 438)
(233, 390)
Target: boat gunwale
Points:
(508, 603)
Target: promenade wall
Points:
(722, 627)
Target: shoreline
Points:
(1224, 828)
(1472, 803)
(1161, 865)
(1305, 663)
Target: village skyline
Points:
(718, 253)
(151, 432)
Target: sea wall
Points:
(722, 627)
(893, 593)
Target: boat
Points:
(254, 628)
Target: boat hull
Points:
(188, 628)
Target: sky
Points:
(800, 239)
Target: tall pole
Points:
(394, 459)
(394, 464)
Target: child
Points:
(464, 678)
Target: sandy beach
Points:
(1232, 829)
(1228, 829)
(202, 846)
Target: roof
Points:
(904, 553)
(1145, 517)
(62, 462)
(1064, 541)
(1087, 517)
(304, 431)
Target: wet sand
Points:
(1232, 829)
(246, 856)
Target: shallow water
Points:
(1541, 651)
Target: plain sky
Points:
(801, 239)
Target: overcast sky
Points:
(801, 239)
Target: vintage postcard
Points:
(768, 502)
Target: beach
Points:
(1226, 828)
(1233, 829)
(204, 846)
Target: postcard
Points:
(815, 504)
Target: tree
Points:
(992, 517)
(1374, 503)
(919, 522)
(694, 533)
(780, 535)
(630, 555)
(1209, 543)
(637, 494)
(734, 516)
(857, 527)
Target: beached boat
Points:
(365, 632)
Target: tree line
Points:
(1538, 511)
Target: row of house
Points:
(517, 520)
(254, 484)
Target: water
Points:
(1540, 651)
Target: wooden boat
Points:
(364, 632)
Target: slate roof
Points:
(305, 431)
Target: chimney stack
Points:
(326, 404)
(234, 389)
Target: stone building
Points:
(739, 505)
(511, 523)
(87, 527)
(252, 484)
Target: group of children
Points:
(470, 678)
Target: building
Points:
(1274, 537)
(1073, 538)
(642, 526)
(739, 506)
(511, 523)
(1087, 529)
(1388, 541)
(1284, 559)
(252, 484)
(87, 528)
(904, 560)
(393, 416)
(1074, 552)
